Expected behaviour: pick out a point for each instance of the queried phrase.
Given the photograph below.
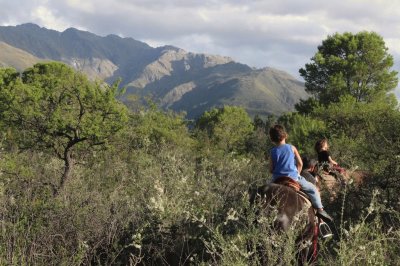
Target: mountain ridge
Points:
(175, 78)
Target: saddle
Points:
(289, 182)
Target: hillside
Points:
(174, 78)
(19, 59)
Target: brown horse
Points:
(332, 182)
(288, 209)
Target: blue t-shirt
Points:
(284, 162)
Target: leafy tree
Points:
(303, 131)
(227, 127)
(258, 123)
(153, 128)
(362, 123)
(348, 64)
(306, 106)
(270, 121)
(52, 107)
(7, 76)
(257, 141)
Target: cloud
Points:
(46, 17)
(282, 34)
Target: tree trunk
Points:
(68, 165)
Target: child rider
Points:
(285, 160)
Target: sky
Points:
(282, 34)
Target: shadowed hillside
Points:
(174, 78)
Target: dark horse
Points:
(287, 208)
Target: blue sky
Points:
(260, 33)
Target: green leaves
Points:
(54, 106)
(227, 127)
(350, 64)
(50, 107)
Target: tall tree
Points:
(348, 64)
(52, 107)
(228, 127)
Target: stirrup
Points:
(324, 230)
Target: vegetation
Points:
(348, 64)
(147, 189)
(52, 107)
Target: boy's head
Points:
(309, 163)
(277, 133)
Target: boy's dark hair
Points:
(319, 144)
(308, 162)
(277, 133)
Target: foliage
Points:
(367, 240)
(52, 107)
(349, 64)
(159, 193)
(152, 128)
(227, 127)
(303, 131)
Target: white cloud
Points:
(47, 19)
(283, 34)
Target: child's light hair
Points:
(320, 143)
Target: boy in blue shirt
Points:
(285, 161)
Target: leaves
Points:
(228, 127)
(51, 107)
(350, 64)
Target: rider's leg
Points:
(315, 197)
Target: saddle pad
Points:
(287, 181)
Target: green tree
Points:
(257, 141)
(359, 124)
(258, 123)
(52, 107)
(227, 127)
(151, 129)
(303, 131)
(348, 64)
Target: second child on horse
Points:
(325, 159)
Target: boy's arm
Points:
(299, 162)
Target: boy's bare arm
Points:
(299, 162)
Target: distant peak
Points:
(277, 72)
(71, 29)
(171, 47)
(29, 24)
(113, 36)
(75, 30)
(33, 27)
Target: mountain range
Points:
(172, 77)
